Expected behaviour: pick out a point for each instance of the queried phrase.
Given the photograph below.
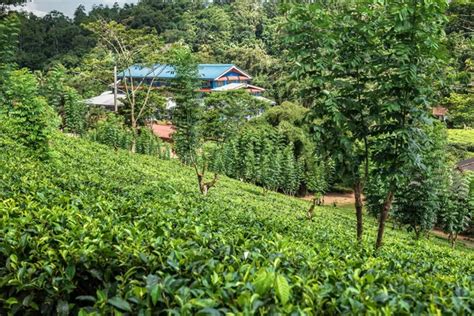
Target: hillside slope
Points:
(462, 142)
(95, 230)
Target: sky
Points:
(42, 7)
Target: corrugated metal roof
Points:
(230, 86)
(206, 71)
(106, 99)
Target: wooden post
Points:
(115, 89)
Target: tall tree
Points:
(131, 49)
(9, 29)
(188, 111)
(187, 115)
(332, 52)
(408, 68)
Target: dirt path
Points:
(348, 198)
(338, 198)
(468, 242)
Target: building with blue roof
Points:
(214, 77)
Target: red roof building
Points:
(440, 112)
(163, 131)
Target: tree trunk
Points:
(302, 190)
(359, 204)
(310, 212)
(417, 233)
(204, 186)
(134, 137)
(454, 237)
(383, 217)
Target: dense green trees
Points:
(369, 78)
(52, 38)
(14, 2)
(332, 48)
(64, 99)
(275, 151)
(244, 33)
(226, 111)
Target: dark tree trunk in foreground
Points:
(358, 206)
(383, 217)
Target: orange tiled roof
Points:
(163, 131)
(440, 111)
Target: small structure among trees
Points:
(212, 77)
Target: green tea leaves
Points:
(282, 289)
(263, 281)
(120, 304)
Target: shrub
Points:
(75, 111)
(65, 100)
(150, 144)
(112, 131)
(457, 212)
(26, 117)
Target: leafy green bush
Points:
(102, 231)
(461, 136)
(64, 99)
(25, 116)
(461, 143)
(74, 112)
(457, 213)
(150, 144)
(112, 131)
(461, 110)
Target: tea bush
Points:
(98, 231)
(461, 136)
(461, 143)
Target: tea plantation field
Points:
(462, 142)
(461, 136)
(94, 231)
